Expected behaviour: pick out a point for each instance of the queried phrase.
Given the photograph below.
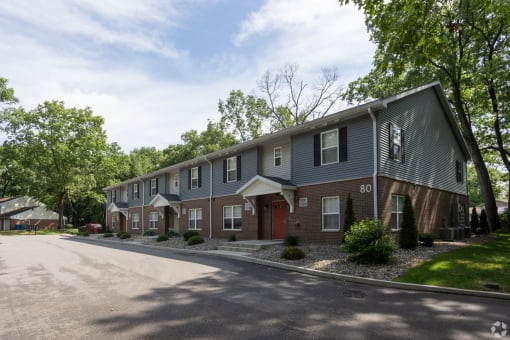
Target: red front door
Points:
(279, 212)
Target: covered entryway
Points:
(119, 211)
(275, 212)
(168, 207)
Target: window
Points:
(396, 143)
(277, 156)
(176, 181)
(330, 213)
(154, 186)
(459, 170)
(329, 147)
(195, 218)
(232, 217)
(135, 221)
(194, 178)
(231, 169)
(397, 211)
(114, 196)
(153, 220)
(136, 194)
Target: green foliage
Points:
(149, 233)
(6, 93)
(370, 240)
(426, 240)
(172, 233)
(291, 241)
(232, 238)
(83, 233)
(196, 239)
(105, 235)
(190, 233)
(124, 236)
(292, 253)
(484, 224)
(120, 233)
(144, 160)
(408, 238)
(349, 218)
(475, 222)
(162, 238)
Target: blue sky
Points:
(157, 68)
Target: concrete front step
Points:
(249, 246)
(238, 249)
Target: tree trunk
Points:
(61, 198)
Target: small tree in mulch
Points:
(349, 218)
(484, 224)
(475, 221)
(408, 238)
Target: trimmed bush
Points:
(371, 241)
(105, 235)
(190, 233)
(292, 253)
(196, 239)
(172, 233)
(149, 233)
(426, 240)
(83, 233)
(349, 219)
(475, 221)
(484, 223)
(162, 238)
(291, 241)
(408, 237)
(120, 233)
(124, 236)
(232, 238)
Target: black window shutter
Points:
(225, 170)
(189, 178)
(402, 147)
(157, 191)
(317, 150)
(390, 134)
(199, 176)
(133, 192)
(342, 144)
(238, 166)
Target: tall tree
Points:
(144, 160)
(292, 101)
(62, 147)
(243, 116)
(462, 43)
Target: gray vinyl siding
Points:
(268, 168)
(359, 155)
(135, 202)
(430, 147)
(160, 189)
(203, 191)
(249, 168)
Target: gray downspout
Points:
(143, 205)
(376, 169)
(210, 196)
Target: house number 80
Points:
(365, 188)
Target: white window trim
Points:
(277, 157)
(233, 217)
(337, 213)
(234, 169)
(192, 212)
(195, 169)
(151, 214)
(397, 212)
(154, 188)
(114, 196)
(397, 158)
(135, 220)
(331, 147)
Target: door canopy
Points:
(166, 200)
(262, 185)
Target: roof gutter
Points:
(375, 154)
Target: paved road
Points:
(62, 288)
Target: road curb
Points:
(335, 276)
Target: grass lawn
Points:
(39, 232)
(468, 268)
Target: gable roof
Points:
(344, 115)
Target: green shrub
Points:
(196, 239)
(408, 235)
(190, 233)
(120, 233)
(371, 241)
(83, 233)
(291, 241)
(484, 223)
(172, 233)
(162, 238)
(475, 221)
(292, 253)
(124, 236)
(149, 233)
(107, 235)
(426, 240)
(68, 226)
(232, 238)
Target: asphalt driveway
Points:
(55, 287)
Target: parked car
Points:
(93, 228)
